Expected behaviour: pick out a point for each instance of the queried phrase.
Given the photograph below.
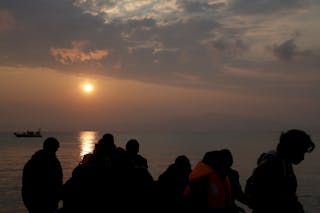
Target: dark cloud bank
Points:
(60, 35)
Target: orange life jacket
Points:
(219, 191)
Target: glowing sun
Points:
(87, 88)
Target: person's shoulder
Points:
(167, 172)
(38, 154)
(141, 161)
(172, 168)
(267, 158)
(87, 159)
(233, 173)
(35, 162)
(269, 162)
(140, 157)
(36, 158)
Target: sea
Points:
(160, 149)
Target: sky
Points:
(159, 65)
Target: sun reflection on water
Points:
(87, 141)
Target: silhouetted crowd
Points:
(116, 179)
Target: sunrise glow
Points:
(88, 88)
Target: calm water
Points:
(160, 149)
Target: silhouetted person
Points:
(42, 179)
(80, 192)
(104, 151)
(273, 184)
(236, 189)
(171, 185)
(132, 147)
(91, 186)
(132, 187)
(107, 181)
(209, 188)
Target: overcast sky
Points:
(160, 65)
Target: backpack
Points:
(255, 183)
(261, 189)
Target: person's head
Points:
(132, 146)
(108, 137)
(210, 157)
(51, 145)
(105, 145)
(218, 161)
(183, 162)
(294, 144)
(227, 156)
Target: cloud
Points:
(164, 12)
(77, 53)
(257, 7)
(185, 43)
(52, 24)
(288, 51)
(227, 47)
(199, 6)
(285, 51)
(123, 10)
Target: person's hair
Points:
(108, 137)
(182, 160)
(211, 157)
(295, 140)
(132, 146)
(51, 144)
(105, 145)
(227, 156)
(218, 161)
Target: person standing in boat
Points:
(42, 179)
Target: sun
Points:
(88, 88)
